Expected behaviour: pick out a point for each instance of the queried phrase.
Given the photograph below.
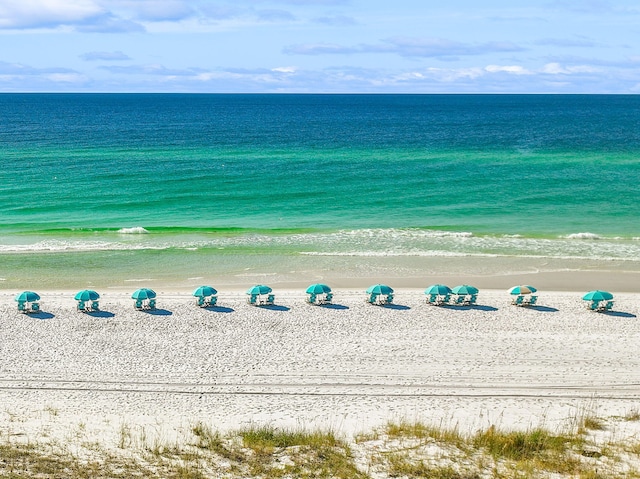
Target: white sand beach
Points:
(348, 367)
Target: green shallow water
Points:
(150, 182)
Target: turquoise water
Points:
(182, 186)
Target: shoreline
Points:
(184, 270)
(563, 281)
(290, 297)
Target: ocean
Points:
(113, 190)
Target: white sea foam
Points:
(51, 246)
(381, 254)
(137, 230)
(406, 232)
(583, 236)
(55, 246)
(452, 254)
(357, 243)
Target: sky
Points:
(320, 46)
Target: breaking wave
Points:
(137, 230)
(363, 243)
(583, 236)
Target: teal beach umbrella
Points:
(204, 291)
(597, 295)
(318, 288)
(440, 289)
(28, 297)
(86, 295)
(465, 289)
(259, 289)
(143, 293)
(379, 289)
(522, 289)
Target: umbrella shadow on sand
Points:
(395, 306)
(42, 315)
(100, 314)
(333, 306)
(480, 307)
(544, 309)
(219, 309)
(274, 307)
(483, 307)
(619, 314)
(158, 312)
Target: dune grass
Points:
(401, 449)
(591, 422)
(420, 430)
(266, 451)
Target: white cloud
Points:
(26, 70)
(21, 77)
(319, 49)
(66, 78)
(275, 16)
(455, 74)
(152, 69)
(554, 69)
(408, 47)
(567, 42)
(211, 76)
(159, 10)
(47, 13)
(557, 69)
(410, 76)
(238, 45)
(122, 16)
(110, 56)
(583, 69)
(336, 21)
(284, 69)
(511, 69)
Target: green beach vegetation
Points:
(588, 448)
